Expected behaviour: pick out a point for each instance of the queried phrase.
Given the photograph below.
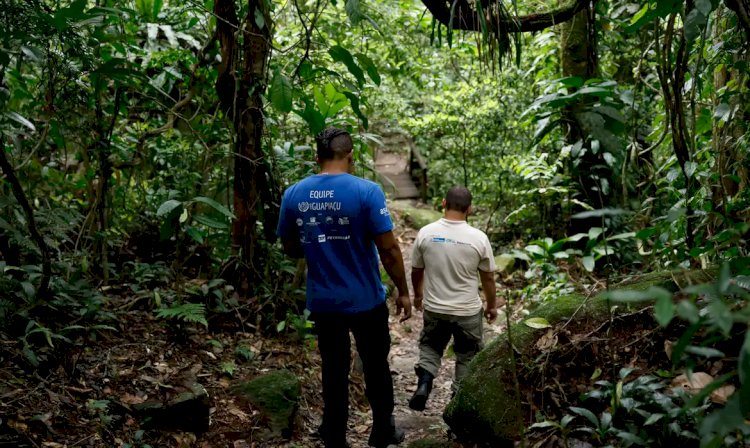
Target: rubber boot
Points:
(424, 387)
(384, 436)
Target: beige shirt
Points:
(452, 253)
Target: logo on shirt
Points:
(299, 221)
(321, 238)
(329, 219)
(384, 211)
(344, 220)
(303, 206)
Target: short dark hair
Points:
(333, 143)
(458, 199)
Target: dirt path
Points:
(404, 355)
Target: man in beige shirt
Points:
(447, 256)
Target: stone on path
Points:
(276, 396)
(189, 411)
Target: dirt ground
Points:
(80, 398)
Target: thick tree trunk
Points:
(731, 173)
(253, 197)
(249, 161)
(578, 58)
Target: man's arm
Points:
(393, 262)
(417, 282)
(490, 294)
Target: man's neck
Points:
(334, 167)
(454, 215)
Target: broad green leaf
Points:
(315, 120)
(369, 66)
(544, 424)
(280, 93)
(536, 250)
(694, 24)
(634, 296)
(537, 322)
(354, 101)
(688, 311)
(259, 19)
(157, 8)
(664, 310)
(335, 101)
(631, 438)
(353, 11)
(215, 205)
(210, 222)
(706, 352)
(600, 213)
(588, 263)
(565, 421)
(341, 54)
(586, 413)
(167, 207)
(21, 120)
(720, 315)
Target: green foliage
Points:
(188, 312)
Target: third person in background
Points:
(449, 259)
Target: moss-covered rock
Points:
(276, 395)
(430, 443)
(413, 216)
(486, 408)
(505, 263)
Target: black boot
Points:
(424, 387)
(384, 436)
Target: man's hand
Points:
(403, 302)
(418, 303)
(490, 314)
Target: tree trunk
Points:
(731, 172)
(253, 197)
(23, 201)
(578, 59)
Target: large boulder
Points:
(276, 396)
(505, 263)
(555, 360)
(415, 217)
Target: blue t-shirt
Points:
(336, 218)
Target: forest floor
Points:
(84, 396)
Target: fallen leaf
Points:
(547, 341)
(693, 383)
(240, 414)
(185, 439)
(133, 399)
(722, 394)
(241, 444)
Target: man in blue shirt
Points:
(340, 223)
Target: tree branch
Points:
(23, 201)
(465, 17)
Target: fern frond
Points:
(188, 312)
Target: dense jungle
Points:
(145, 300)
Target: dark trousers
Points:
(370, 330)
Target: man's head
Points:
(458, 199)
(333, 144)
